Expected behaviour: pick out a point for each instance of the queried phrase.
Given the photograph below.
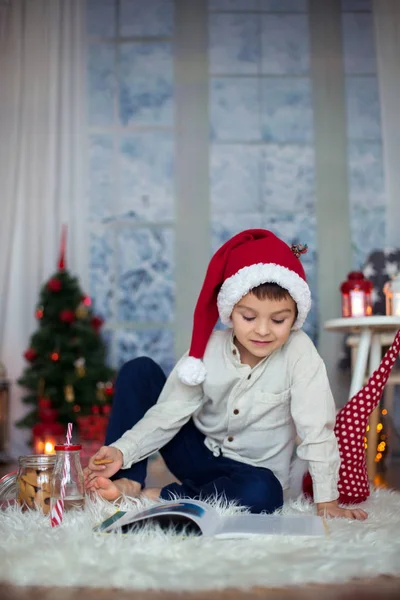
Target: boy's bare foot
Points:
(111, 490)
(151, 493)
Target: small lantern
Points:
(48, 432)
(356, 295)
(392, 293)
(46, 436)
(4, 414)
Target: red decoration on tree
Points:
(109, 389)
(86, 300)
(106, 409)
(97, 322)
(67, 316)
(95, 410)
(44, 403)
(39, 313)
(30, 354)
(54, 284)
(55, 356)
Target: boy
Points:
(226, 419)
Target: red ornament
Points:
(67, 316)
(30, 354)
(55, 356)
(97, 322)
(86, 300)
(44, 403)
(106, 409)
(39, 313)
(54, 284)
(109, 389)
(95, 410)
(76, 408)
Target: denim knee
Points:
(142, 365)
(263, 493)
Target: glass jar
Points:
(8, 489)
(33, 481)
(68, 476)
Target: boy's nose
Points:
(262, 328)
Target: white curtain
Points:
(387, 40)
(42, 153)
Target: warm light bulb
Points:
(367, 427)
(379, 427)
(384, 411)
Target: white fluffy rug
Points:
(34, 554)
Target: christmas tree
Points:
(67, 379)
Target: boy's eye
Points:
(278, 322)
(248, 318)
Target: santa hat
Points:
(350, 427)
(247, 260)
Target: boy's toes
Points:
(106, 488)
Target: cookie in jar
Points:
(33, 481)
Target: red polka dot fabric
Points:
(350, 430)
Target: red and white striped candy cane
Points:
(57, 510)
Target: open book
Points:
(193, 516)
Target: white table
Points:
(370, 330)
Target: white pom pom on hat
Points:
(247, 260)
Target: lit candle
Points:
(357, 299)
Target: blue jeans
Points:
(201, 474)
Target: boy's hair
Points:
(272, 291)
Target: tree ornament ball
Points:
(67, 316)
(30, 354)
(39, 313)
(54, 284)
(44, 403)
(55, 357)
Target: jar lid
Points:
(8, 489)
(37, 460)
(68, 447)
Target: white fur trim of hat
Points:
(234, 288)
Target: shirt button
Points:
(236, 412)
(230, 439)
(249, 376)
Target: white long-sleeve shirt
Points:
(251, 415)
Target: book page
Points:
(247, 525)
(174, 513)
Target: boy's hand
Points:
(332, 509)
(111, 458)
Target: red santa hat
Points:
(247, 260)
(351, 424)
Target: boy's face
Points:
(261, 326)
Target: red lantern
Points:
(47, 434)
(356, 295)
